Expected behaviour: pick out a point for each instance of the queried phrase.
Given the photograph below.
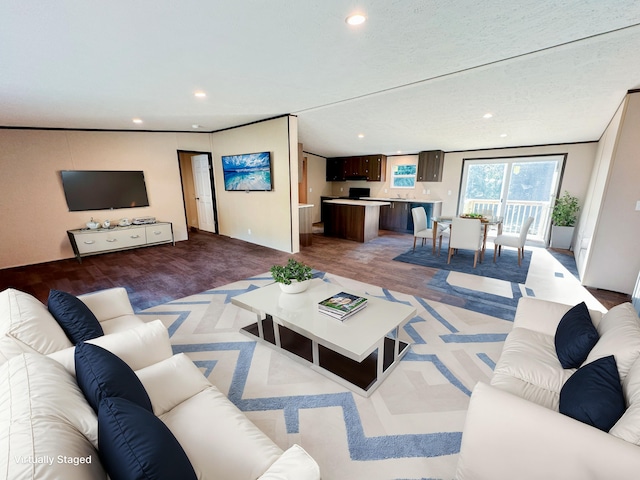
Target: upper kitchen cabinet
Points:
(430, 166)
(335, 169)
(365, 167)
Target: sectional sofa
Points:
(563, 401)
(49, 430)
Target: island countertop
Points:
(361, 203)
(409, 200)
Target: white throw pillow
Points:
(619, 332)
(628, 427)
(24, 319)
(46, 426)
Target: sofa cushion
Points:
(44, 414)
(593, 394)
(139, 347)
(575, 336)
(135, 444)
(217, 443)
(101, 374)
(529, 367)
(620, 336)
(75, 318)
(28, 325)
(296, 463)
(628, 427)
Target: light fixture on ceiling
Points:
(137, 120)
(399, 151)
(361, 135)
(195, 125)
(487, 115)
(200, 94)
(503, 135)
(356, 19)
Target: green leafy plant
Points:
(565, 211)
(293, 270)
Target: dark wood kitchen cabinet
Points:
(372, 168)
(430, 166)
(394, 217)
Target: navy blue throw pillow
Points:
(78, 322)
(575, 336)
(102, 374)
(135, 444)
(593, 395)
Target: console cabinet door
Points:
(430, 166)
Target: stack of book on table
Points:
(342, 305)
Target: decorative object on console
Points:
(76, 319)
(106, 224)
(92, 225)
(124, 222)
(143, 220)
(292, 277)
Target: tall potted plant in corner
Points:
(293, 277)
(564, 217)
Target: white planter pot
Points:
(561, 237)
(295, 287)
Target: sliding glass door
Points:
(512, 188)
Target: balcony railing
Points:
(515, 214)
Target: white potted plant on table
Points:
(564, 217)
(293, 277)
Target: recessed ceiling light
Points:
(503, 135)
(361, 135)
(137, 120)
(399, 151)
(487, 115)
(195, 125)
(200, 94)
(356, 19)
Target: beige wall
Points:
(267, 215)
(580, 158)
(316, 183)
(612, 261)
(33, 209)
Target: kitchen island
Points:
(356, 220)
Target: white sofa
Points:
(513, 428)
(49, 431)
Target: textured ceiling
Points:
(418, 75)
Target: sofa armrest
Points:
(139, 347)
(294, 464)
(172, 381)
(543, 315)
(507, 437)
(108, 304)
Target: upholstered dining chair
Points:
(420, 229)
(466, 234)
(515, 241)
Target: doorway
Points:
(513, 188)
(198, 191)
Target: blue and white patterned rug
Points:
(409, 428)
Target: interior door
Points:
(204, 193)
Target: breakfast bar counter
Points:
(356, 220)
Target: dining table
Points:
(486, 222)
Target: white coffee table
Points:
(358, 353)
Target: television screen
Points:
(104, 190)
(247, 172)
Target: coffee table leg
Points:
(380, 360)
(260, 327)
(396, 345)
(276, 333)
(315, 355)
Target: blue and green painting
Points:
(250, 171)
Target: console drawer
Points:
(159, 233)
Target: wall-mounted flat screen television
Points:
(104, 189)
(247, 172)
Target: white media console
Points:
(86, 241)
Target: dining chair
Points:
(466, 234)
(515, 241)
(420, 229)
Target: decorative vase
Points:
(295, 286)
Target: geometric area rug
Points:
(409, 428)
